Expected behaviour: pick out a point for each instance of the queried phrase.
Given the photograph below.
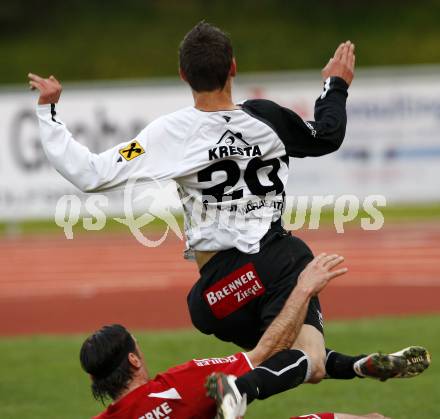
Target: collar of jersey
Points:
(218, 110)
(127, 400)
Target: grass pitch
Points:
(40, 376)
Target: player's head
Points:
(113, 359)
(206, 59)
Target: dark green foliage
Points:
(112, 39)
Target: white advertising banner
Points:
(392, 145)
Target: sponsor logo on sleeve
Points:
(311, 128)
(131, 151)
(215, 361)
(234, 291)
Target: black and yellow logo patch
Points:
(131, 151)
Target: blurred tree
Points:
(95, 39)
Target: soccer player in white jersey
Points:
(231, 163)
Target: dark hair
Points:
(104, 355)
(205, 57)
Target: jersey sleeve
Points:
(189, 378)
(308, 138)
(144, 158)
(237, 364)
(198, 369)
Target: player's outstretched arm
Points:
(284, 330)
(328, 128)
(88, 171)
(326, 133)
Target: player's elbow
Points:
(336, 138)
(337, 143)
(87, 189)
(333, 142)
(259, 354)
(89, 181)
(86, 185)
(90, 187)
(266, 348)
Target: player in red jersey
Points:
(117, 368)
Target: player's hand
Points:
(341, 64)
(320, 271)
(50, 89)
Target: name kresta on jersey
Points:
(233, 144)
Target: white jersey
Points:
(231, 166)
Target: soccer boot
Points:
(406, 363)
(230, 403)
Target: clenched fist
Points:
(50, 89)
(341, 64)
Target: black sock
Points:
(283, 371)
(340, 366)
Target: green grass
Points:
(393, 213)
(41, 377)
(49, 227)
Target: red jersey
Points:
(178, 393)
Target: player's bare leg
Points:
(407, 363)
(311, 342)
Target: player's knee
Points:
(317, 372)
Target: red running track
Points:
(49, 284)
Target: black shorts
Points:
(239, 294)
